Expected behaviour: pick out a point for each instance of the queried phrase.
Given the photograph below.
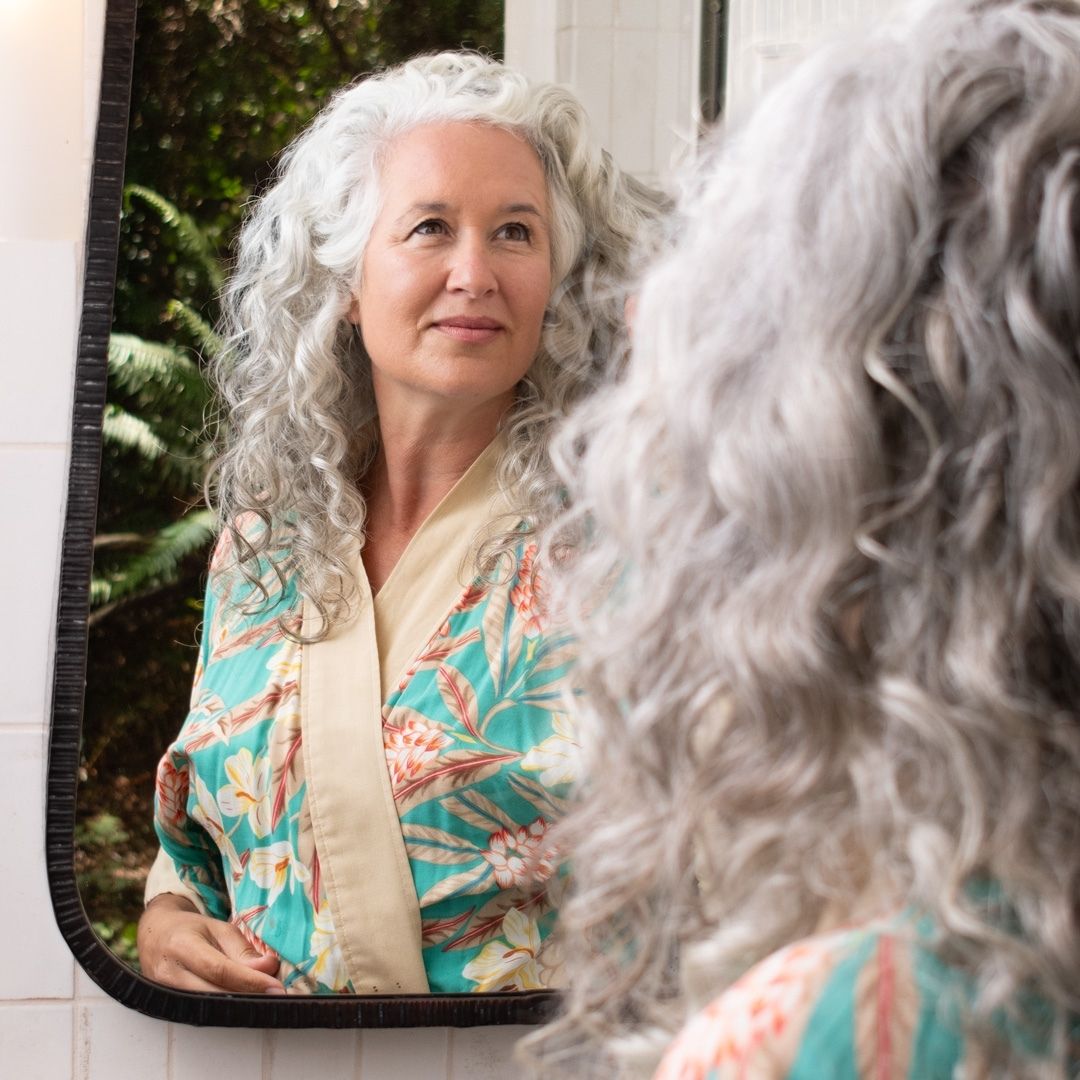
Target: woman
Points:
(830, 720)
(360, 797)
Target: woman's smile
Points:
(469, 329)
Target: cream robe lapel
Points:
(343, 684)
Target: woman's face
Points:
(457, 272)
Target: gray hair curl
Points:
(833, 506)
(300, 425)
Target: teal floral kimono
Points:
(376, 807)
(868, 1002)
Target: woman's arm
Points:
(184, 938)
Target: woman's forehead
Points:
(447, 165)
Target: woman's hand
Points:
(181, 948)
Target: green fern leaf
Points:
(138, 365)
(122, 428)
(210, 343)
(193, 240)
(159, 564)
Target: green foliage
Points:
(160, 561)
(153, 442)
(160, 373)
(121, 428)
(110, 876)
(191, 240)
(219, 88)
(197, 327)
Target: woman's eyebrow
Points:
(442, 208)
(521, 208)
(423, 208)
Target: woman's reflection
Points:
(360, 797)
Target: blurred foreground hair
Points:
(828, 589)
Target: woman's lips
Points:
(475, 331)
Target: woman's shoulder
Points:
(249, 572)
(246, 532)
(846, 1004)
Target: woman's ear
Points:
(353, 312)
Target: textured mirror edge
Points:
(713, 60)
(69, 677)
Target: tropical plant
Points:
(154, 437)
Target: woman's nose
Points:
(471, 269)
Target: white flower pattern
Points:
(511, 962)
(248, 790)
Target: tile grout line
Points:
(267, 1054)
(64, 444)
(82, 1043)
(34, 1003)
(74, 1038)
(170, 1042)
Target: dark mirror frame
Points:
(69, 678)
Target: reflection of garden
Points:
(219, 86)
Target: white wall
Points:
(634, 62)
(767, 37)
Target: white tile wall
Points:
(531, 27)
(636, 14)
(593, 13)
(586, 59)
(33, 405)
(37, 1039)
(41, 62)
(766, 38)
(634, 75)
(235, 1052)
(316, 1054)
(37, 964)
(632, 62)
(54, 1023)
(484, 1053)
(114, 1043)
(429, 1052)
(33, 478)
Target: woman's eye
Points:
(431, 227)
(515, 230)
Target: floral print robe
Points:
(869, 1003)
(377, 812)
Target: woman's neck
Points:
(417, 463)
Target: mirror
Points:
(137, 545)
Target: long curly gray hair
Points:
(827, 587)
(299, 421)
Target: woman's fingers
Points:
(184, 949)
(183, 979)
(205, 961)
(237, 948)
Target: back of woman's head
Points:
(838, 490)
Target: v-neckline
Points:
(436, 566)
